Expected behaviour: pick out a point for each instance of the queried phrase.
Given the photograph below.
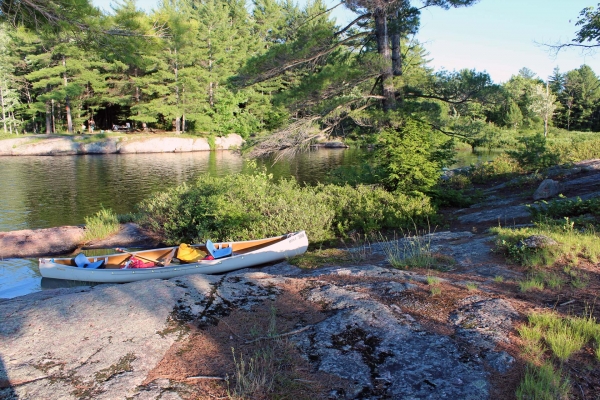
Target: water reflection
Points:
(466, 158)
(41, 192)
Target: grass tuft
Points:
(564, 335)
(534, 282)
(543, 382)
(253, 377)
(103, 224)
(323, 257)
(572, 244)
(564, 340)
(412, 251)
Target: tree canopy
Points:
(279, 74)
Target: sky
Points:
(496, 36)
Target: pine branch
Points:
(315, 54)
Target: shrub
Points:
(242, 207)
(237, 207)
(410, 157)
(576, 150)
(565, 208)
(534, 153)
(370, 208)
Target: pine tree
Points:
(9, 86)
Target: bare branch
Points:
(368, 15)
(321, 13)
(288, 141)
(304, 328)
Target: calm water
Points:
(42, 192)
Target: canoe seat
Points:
(81, 261)
(218, 253)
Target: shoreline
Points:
(31, 243)
(52, 145)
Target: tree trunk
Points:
(210, 84)
(3, 108)
(383, 48)
(48, 118)
(67, 101)
(396, 54)
(52, 118)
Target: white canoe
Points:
(245, 254)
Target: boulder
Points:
(548, 188)
(539, 242)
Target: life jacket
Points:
(137, 263)
(188, 254)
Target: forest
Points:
(218, 67)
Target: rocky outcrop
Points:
(582, 180)
(66, 239)
(40, 242)
(46, 145)
(105, 341)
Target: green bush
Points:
(236, 207)
(565, 208)
(410, 157)
(534, 153)
(242, 207)
(370, 208)
(576, 149)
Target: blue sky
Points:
(497, 36)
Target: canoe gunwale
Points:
(280, 247)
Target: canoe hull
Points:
(290, 245)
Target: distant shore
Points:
(55, 145)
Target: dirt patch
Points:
(250, 338)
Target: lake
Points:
(43, 192)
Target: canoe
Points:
(114, 268)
